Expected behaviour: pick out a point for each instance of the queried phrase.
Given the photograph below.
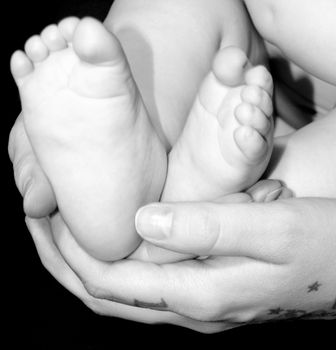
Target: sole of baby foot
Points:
(91, 133)
(227, 141)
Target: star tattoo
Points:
(275, 311)
(314, 287)
(294, 313)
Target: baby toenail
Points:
(274, 195)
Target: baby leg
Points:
(170, 71)
(170, 46)
(305, 159)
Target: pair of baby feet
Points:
(91, 133)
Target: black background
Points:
(41, 313)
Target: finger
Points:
(39, 199)
(152, 253)
(172, 287)
(257, 230)
(286, 193)
(268, 191)
(211, 291)
(235, 198)
(149, 252)
(56, 265)
(53, 261)
(197, 290)
(50, 257)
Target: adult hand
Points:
(52, 259)
(39, 199)
(267, 261)
(303, 226)
(263, 191)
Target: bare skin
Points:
(303, 176)
(173, 69)
(227, 141)
(314, 142)
(90, 131)
(99, 129)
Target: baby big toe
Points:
(250, 115)
(258, 97)
(94, 44)
(52, 38)
(20, 65)
(36, 49)
(67, 27)
(229, 65)
(105, 71)
(251, 143)
(261, 77)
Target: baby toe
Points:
(20, 65)
(261, 77)
(36, 49)
(67, 27)
(250, 115)
(229, 66)
(258, 97)
(251, 143)
(52, 38)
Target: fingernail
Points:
(286, 193)
(274, 195)
(154, 222)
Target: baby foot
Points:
(227, 140)
(226, 143)
(90, 131)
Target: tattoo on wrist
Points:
(284, 314)
(276, 311)
(162, 305)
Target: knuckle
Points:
(208, 307)
(20, 166)
(209, 228)
(95, 306)
(288, 233)
(17, 133)
(11, 144)
(203, 300)
(93, 289)
(211, 328)
(22, 171)
(243, 318)
(47, 263)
